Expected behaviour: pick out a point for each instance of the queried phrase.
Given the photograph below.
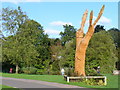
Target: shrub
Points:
(56, 73)
(29, 70)
(41, 71)
(69, 71)
(93, 81)
(92, 72)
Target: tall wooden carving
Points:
(82, 41)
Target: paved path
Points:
(26, 83)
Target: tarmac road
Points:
(26, 83)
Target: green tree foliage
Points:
(115, 33)
(18, 49)
(29, 46)
(56, 49)
(33, 33)
(68, 54)
(12, 19)
(67, 59)
(101, 52)
(99, 28)
(29, 35)
(62, 56)
(68, 34)
(11, 51)
(118, 62)
(68, 51)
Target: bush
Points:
(39, 71)
(55, 73)
(29, 70)
(46, 72)
(42, 71)
(92, 72)
(93, 81)
(69, 71)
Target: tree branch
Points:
(99, 15)
(91, 17)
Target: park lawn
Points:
(112, 80)
(0, 74)
(4, 87)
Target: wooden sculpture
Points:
(82, 41)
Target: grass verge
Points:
(4, 87)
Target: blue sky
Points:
(53, 15)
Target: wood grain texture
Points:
(83, 41)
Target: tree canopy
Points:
(101, 52)
(12, 19)
(68, 34)
(99, 28)
(25, 46)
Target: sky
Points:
(53, 15)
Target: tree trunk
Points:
(81, 52)
(17, 68)
(83, 41)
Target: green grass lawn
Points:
(112, 80)
(4, 87)
(0, 74)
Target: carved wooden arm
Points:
(91, 26)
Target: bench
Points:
(86, 77)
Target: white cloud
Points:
(52, 32)
(103, 20)
(20, 1)
(59, 23)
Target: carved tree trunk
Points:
(83, 41)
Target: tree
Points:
(27, 38)
(20, 47)
(56, 49)
(30, 33)
(12, 19)
(101, 52)
(68, 34)
(68, 54)
(115, 33)
(34, 34)
(28, 46)
(82, 42)
(11, 52)
(99, 28)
